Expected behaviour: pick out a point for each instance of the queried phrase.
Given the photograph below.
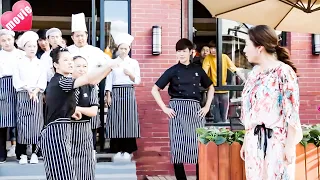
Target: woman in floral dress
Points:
(270, 110)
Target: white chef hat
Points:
(78, 23)
(53, 32)
(6, 32)
(122, 38)
(26, 37)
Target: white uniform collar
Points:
(125, 59)
(13, 50)
(32, 60)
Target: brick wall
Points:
(309, 71)
(153, 154)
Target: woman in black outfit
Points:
(55, 141)
(184, 110)
(82, 141)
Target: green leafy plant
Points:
(219, 135)
(239, 136)
(311, 134)
(306, 135)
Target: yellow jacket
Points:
(209, 65)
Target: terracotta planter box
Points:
(223, 162)
(307, 162)
(220, 162)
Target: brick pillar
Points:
(153, 154)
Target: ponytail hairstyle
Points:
(283, 55)
(55, 55)
(263, 35)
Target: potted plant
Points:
(307, 153)
(219, 154)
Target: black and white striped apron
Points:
(95, 121)
(8, 103)
(55, 145)
(82, 150)
(123, 119)
(29, 118)
(182, 130)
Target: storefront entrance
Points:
(102, 17)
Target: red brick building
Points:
(153, 154)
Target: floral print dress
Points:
(271, 100)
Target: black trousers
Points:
(128, 145)
(94, 136)
(180, 172)
(21, 149)
(3, 144)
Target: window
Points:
(234, 35)
(229, 37)
(116, 18)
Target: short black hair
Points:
(42, 34)
(183, 44)
(212, 44)
(194, 46)
(55, 54)
(17, 34)
(77, 57)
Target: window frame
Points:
(102, 21)
(101, 130)
(219, 42)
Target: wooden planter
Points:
(307, 162)
(220, 162)
(223, 162)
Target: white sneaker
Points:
(94, 155)
(126, 157)
(12, 151)
(34, 159)
(8, 145)
(117, 157)
(23, 159)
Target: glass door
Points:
(115, 20)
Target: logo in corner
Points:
(19, 19)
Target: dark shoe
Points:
(2, 160)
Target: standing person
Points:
(54, 37)
(123, 124)
(184, 111)
(29, 80)
(43, 44)
(270, 110)
(203, 53)
(9, 57)
(55, 142)
(79, 35)
(93, 55)
(81, 141)
(220, 104)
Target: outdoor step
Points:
(104, 170)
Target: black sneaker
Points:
(2, 160)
